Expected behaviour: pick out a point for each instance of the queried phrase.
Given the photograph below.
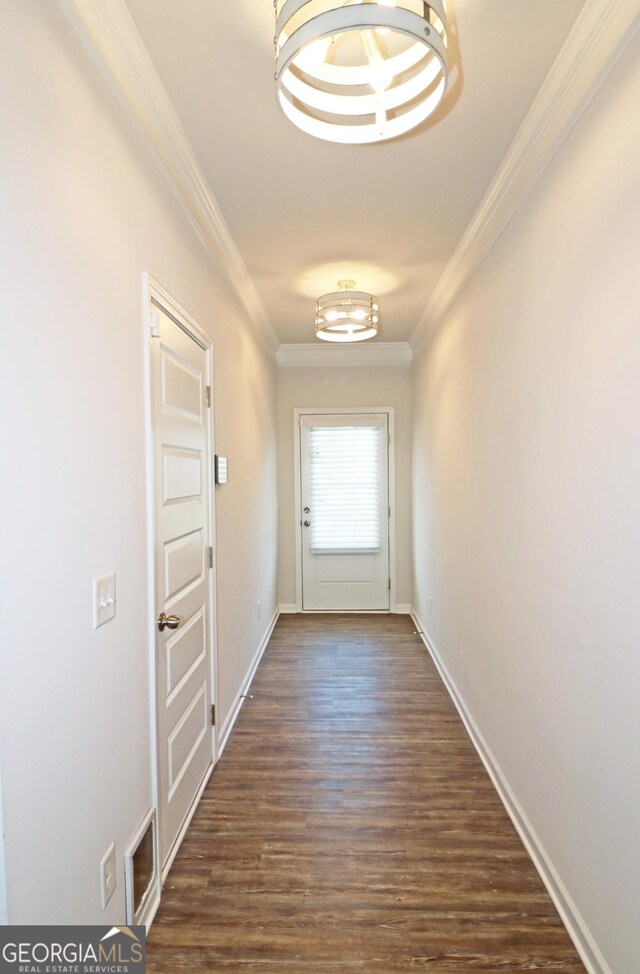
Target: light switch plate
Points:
(104, 599)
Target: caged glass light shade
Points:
(360, 72)
(347, 315)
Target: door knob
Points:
(307, 524)
(307, 510)
(168, 622)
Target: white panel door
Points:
(344, 491)
(183, 583)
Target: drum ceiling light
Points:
(347, 315)
(360, 72)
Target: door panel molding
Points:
(185, 483)
(389, 411)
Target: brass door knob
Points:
(168, 622)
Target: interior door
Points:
(182, 460)
(344, 499)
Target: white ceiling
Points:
(305, 213)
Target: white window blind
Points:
(344, 488)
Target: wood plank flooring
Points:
(350, 826)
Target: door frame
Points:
(389, 411)
(154, 297)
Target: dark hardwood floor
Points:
(350, 826)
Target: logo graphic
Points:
(73, 950)
(127, 931)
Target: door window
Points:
(344, 488)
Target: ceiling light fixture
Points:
(347, 315)
(360, 72)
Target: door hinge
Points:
(389, 584)
(210, 557)
(388, 439)
(213, 714)
(154, 324)
(209, 397)
(389, 512)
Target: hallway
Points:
(212, 319)
(350, 826)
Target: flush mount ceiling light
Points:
(346, 315)
(360, 72)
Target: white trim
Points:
(403, 608)
(232, 716)
(391, 455)
(108, 32)
(360, 353)
(173, 851)
(577, 929)
(347, 612)
(154, 906)
(602, 31)
(151, 578)
(287, 609)
(151, 899)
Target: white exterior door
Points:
(184, 591)
(344, 500)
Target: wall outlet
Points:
(259, 610)
(108, 874)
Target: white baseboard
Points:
(577, 929)
(227, 727)
(150, 913)
(401, 609)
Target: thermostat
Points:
(221, 469)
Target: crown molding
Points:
(359, 353)
(601, 33)
(109, 34)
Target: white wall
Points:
(84, 214)
(526, 508)
(3, 886)
(316, 386)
